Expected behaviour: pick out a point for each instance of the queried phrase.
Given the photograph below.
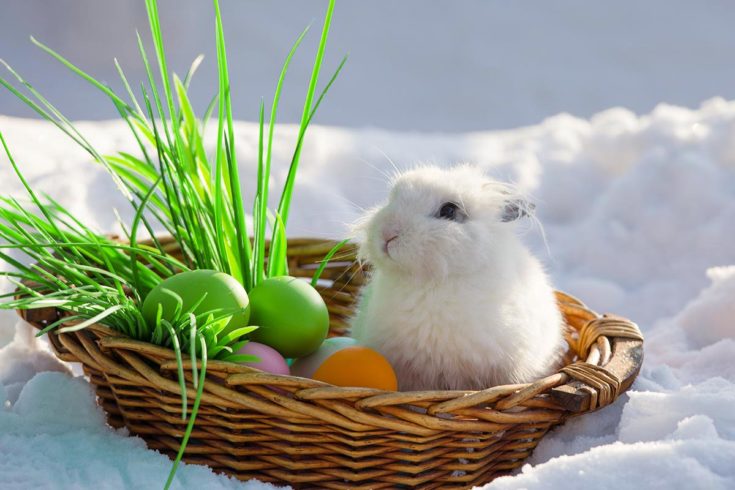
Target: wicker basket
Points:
(308, 434)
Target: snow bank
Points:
(23, 357)
(54, 436)
(639, 218)
(710, 317)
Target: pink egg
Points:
(270, 360)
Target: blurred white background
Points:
(414, 65)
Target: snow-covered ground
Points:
(639, 219)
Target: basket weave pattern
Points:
(309, 434)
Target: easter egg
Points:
(270, 360)
(305, 367)
(342, 364)
(223, 292)
(290, 314)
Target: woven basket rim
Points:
(587, 345)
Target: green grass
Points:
(171, 184)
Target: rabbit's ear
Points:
(513, 205)
(517, 209)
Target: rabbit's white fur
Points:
(455, 305)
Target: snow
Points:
(54, 436)
(22, 358)
(705, 320)
(638, 215)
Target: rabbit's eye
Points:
(450, 211)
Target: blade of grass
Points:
(326, 260)
(232, 175)
(194, 411)
(259, 232)
(284, 206)
(264, 176)
(179, 366)
(91, 321)
(307, 115)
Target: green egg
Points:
(291, 315)
(223, 292)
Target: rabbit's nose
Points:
(387, 243)
(390, 233)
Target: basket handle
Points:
(624, 364)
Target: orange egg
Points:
(357, 366)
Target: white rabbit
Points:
(455, 300)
